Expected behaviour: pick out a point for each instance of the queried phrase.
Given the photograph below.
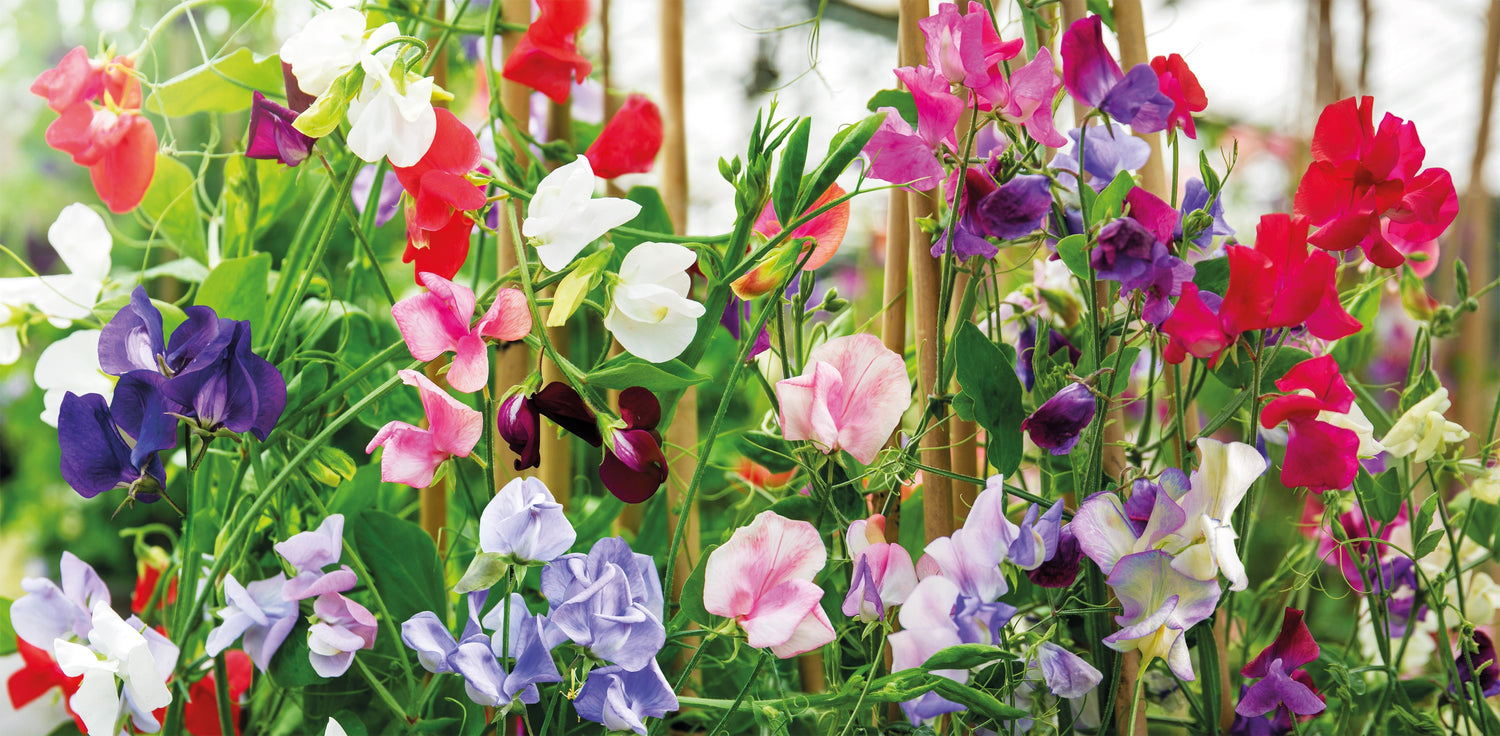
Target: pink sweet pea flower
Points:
(437, 322)
(883, 572)
(1029, 100)
(964, 47)
(850, 396)
(412, 454)
(900, 155)
(762, 578)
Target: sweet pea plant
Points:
(1133, 401)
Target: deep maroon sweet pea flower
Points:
(105, 447)
(1016, 208)
(1056, 424)
(634, 465)
(1482, 657)
(560, 403)
(239, 390)
(1277, 666)
(272, 136)
(1093, 76)
(622, 700)
(608, 602)
(520, 425)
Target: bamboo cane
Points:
(1475, 242)
(557, 448)
(893, 302)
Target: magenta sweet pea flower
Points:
(762, 578)
(850, 396)
(343, 628)
(964, 47)
(438, 322)
(883, 572)
(1277, 666)
(272, 136)
(900, 155)
(1029, 103)
(634, 465)
(412, 454)
(1093, 76)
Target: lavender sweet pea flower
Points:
(238, 390)
(389, 202)
(108, 447)
(272, 136)
(1158, 605)
(1036, 540)
(1093, 76)
(259, 612)
(312, 551)
(524, 523)
(48, 612)
(1067, 675)
(621, 700)
(1107, 151)
(474, 657)
(343, 628)
(608, 601)
(927, 627)
(1017, 208)
(1194, 198)
(1055, 426)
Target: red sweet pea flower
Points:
(1179, 83)
(201, 714)
(630, 140)
(1195, 327)
(40, 674)
(1364, 187)
(114, 141)
(1319, 455)
(547, 58)
(148, 574)
(437, 230)
(1279, 283)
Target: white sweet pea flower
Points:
(1481, 597)
(652, 316)
(390, 120)
(1225, 474)
(1486, 487)
(117, 651)
(1355, 421)
(563, 217)
(331, 44)
(334, 729)
(1423, 430)
(82, 240)
(71, 364)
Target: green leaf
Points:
(290, 667)
(236, 289)
(899, 99)
(842, 150)
(1238, 371)
(653, 217)
(1421, 527)
(987, 375)
(404, 562)
(484, 571)
(1110, 202)
(331, 466)
(964, 657)
(172, 205)
(7, 631)
(1382, 493)
(225, 84)
(1212, 275)
(692, 592)
(798, 507)
(784, 194)
(1072, 251)
(626, 370)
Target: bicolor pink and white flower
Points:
(850, 396)
(762, 579)
(883, 571)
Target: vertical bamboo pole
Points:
(1475, 243)
(893, 300)
(963, 434)
(937, 490)
(512, 361)
(557, 448)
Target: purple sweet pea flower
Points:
(239, 390)
(48, 612)
(134, 339)
(343, 628)
(737, 312)
(1107, 151)
(1277, 666)
(520, 426)
(389, 202)
(1135, 257)
(927, 626)
(1396, 578)
(1062, 568)
(608, 602)
(968, 238)
(260, 613)
(1158, 605)
(310, 552)
(272, 136)
(1067, 675)
(1196, 198)
(1481, 656)
(622, 700)
(525, 524)
(116, 446)
(1036, 540)
(1017, 208)
(475, 656)
(1093, 76)
(1055, 426)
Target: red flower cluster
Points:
(1366, 186)
(1179, 83)
(112, 139)
(437, 226)
(547, 58)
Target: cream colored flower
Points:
(1423, 430)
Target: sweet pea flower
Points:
(115, 141)
(1058, 423)
(900, 155)
(1279, 283)
(964, 47)
(234, 390)
(70, 365)
(927, 627)
(390, 120)
(524, 523)
(200, 716)
(476, 656)
(609, 602)
(850, 396)
(1032, 89)
(38, 674)
(965, 189)
(1320, 455)
(83, 242)
(1037, 537)
(343, 627)
(1093, 76)
(309, 553)
(883, 572)
(546, 58)
(438, 321)
(1180, 84)
(1013, 210)
(1278, 666)
(1158, 605)
(1106, 151)
(1067, 675)
(271, 135)
(330, 45)
(437, 226)
(260, 612)
(1422, 430)
(826, 232)
(105, 447)
(1476, 660)
(629, 142)
(622, 700)
(650, 313)
(520, 425)
(387, 203)
(1195, 197)
(118, 653)
(1224, 475)
(762, 578)
(48, 611)
(1486, 487)
(77, 78)
(563, 217)
(412, 454)
(634, 466)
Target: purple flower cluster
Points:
(206, 374)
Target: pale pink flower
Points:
(438, 322)
(762, 578)
(883, 572)
(412, 454)
(850, 396)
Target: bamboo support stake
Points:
(963, 434)
(1476, 245)
(556, 448)
(893, 301)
